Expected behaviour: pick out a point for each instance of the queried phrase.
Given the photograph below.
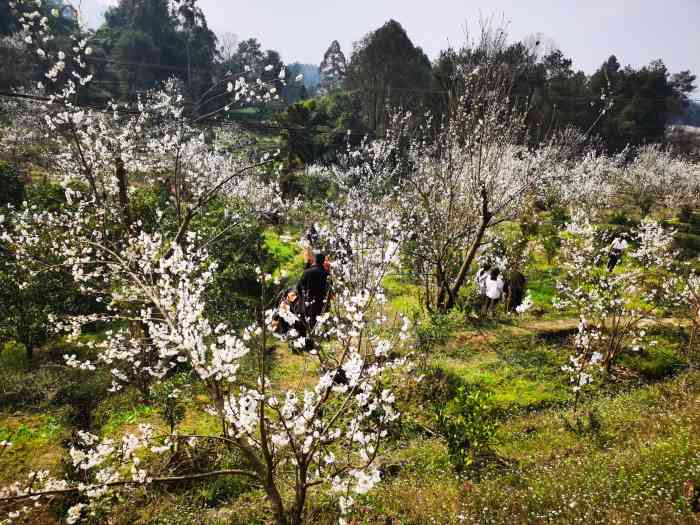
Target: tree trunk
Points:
(123, 194)
(449, 298)
(281, 515)
(297, 517)
(486, 217)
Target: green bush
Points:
(468, 425)
(433, 331)
(621, 218)
(551, 241)
(169, 399)
(560, 216)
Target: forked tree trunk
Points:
(446, 298)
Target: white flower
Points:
(269, 67)
(74, 513)
(299, 78)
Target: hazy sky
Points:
(636, 31)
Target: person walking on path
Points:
(618, 246)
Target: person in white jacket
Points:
(480, 279)
(494, 286)
(618, 246)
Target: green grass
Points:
(402, 295)
(40, 429)
(35, 442)
(542, 287)
(120, 418)
(632, 469)
(635, 469)
(287, 255)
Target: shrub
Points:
(560, 217)
(654, 363)
(439, 386)
(468, 425)
(169, 399)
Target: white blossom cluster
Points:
(586, 361)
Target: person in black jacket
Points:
(313, 290)
(515, 290)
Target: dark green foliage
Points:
(134, 46)
(645, 99)
(621, 218)
(551, 240)
(145, 42)
(82, 392)
(236, 244)
(387, 69)
(11, 186)
(439, 386)
(431, 332)
(558, 96)
(28, 299)
(560, 216)
(654, 362)
(317, 130)
(688, 244)
(19, 67)
(46, 383)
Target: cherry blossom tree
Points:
(327, 435)
(324, 435)
(657, 178)
(473, 175)
(617, 306)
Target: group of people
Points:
(299, 308)
(493, 288)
